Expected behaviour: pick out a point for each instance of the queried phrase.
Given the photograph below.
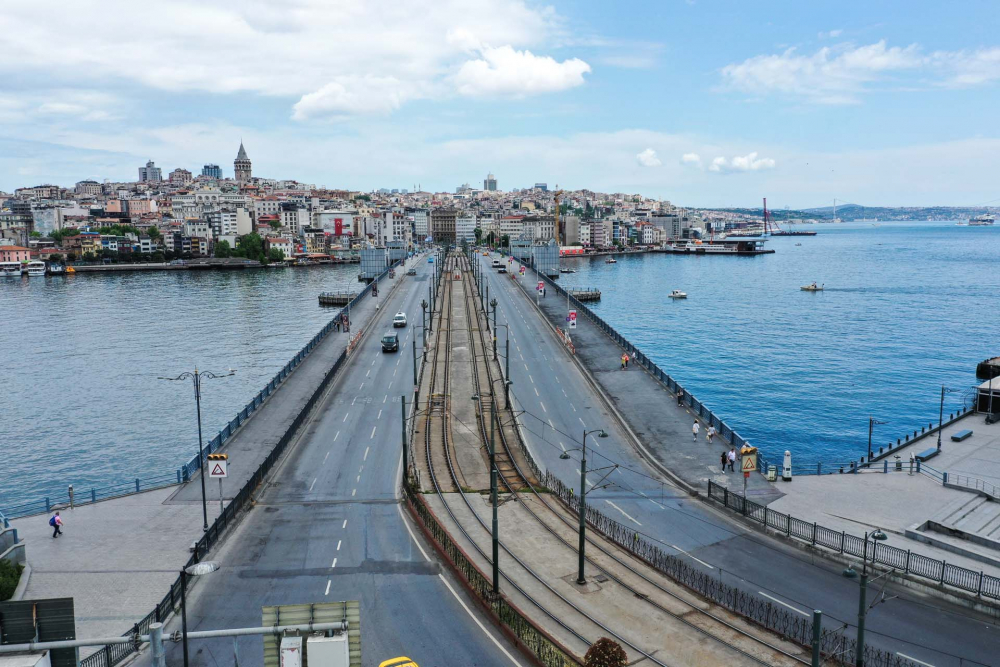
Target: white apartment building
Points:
(421, 222)
(601, 233)
(283, 244)
(294, 218)
(267, 206)
(465, 228)
(512, 226)
(196, 227)
(584, 235)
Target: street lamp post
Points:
(877, 536)
(872, 422)
(196, 570)
(580, 578)
(944, 390)
(195, 378)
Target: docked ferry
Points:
(36, 267)
(744, 246)
(10, 269)
(981, 220)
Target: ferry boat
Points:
(717, 247)
(36, 267)
(981, 220)
(10, 269)
(677, 294)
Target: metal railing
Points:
(546, 650)
(980, 584)
(62, 498)
(973, 483)
(112, 654)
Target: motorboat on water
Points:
(36, 267)
(567, 270)
(611, 260)
(677, 294)
(10, 269)
(812, 288)
(728, 246)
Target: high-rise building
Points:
(443, 224)
(242, 166)
(490, 184)
(212, 171)
(150, 173)
(544, 187)
(180, 176)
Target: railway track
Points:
(521, 481)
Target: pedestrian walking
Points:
(710, 433)
(723, 460)
(680, 396)
(623, 362)
(732, 458)
(626, 359)
(694, 430)
(56, 523)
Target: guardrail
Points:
(835, 646)
(980, 584)
(112, 654)
(183, 474)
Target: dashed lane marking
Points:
(373, 432)
(624, 513)
(334, 563)
(314, 481)
(674, 546)
(326, 457)
(785, 604)
(328, 582)
(543, 406)
(379, 415)
(366, 454)
(345, 524)
(338, 545)
(347, 413)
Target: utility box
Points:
(786, 468)
(290, 654)
(323, 651)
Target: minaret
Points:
(242, 166)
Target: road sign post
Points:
(572, 319)
(218, 468)
(749, 464)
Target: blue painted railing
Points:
(61, 498)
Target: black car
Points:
(390, 342)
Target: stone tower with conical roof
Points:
(242, 166)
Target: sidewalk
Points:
(647, 406)
(116, 558)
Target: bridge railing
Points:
(980, 584)
(61, 498)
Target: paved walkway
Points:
(648, 407)
(115, 558)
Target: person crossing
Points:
(56, 523)
(694, 430)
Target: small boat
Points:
(812, 288)
(36, 267)
(10, 269)
(798, 244)
(56, 269)
(611, 260)
(567, 270)
(677, 294)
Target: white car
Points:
(399, 320)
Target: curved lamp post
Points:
(196, 378)
(877, 536)
(196, 570)
(601, 433)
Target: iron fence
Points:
(182, 474)
(835, 645)
(971, 581)
(112, 654)
(546, 649)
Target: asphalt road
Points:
(559, 405)
(330, 527)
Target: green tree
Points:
(56, 257)
(154, 233)
(364, 197)
(274, 224)
(10, 574)
(505, 241)
(222, 249)
(36, 235)
(157, 256)
(71, 257)
(250, 246)
(276, 255)
(479, 235)
(89, 256)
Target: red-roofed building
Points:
(14, 253)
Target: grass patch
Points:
(10, 574)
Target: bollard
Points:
(48, 505)
(93, 495)
(944, 478)
(899, 463)
(885, 466)
(72, 503)
(137, 485)
(786, 469)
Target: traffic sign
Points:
(572, 319)
(541, 286)
(749, 462)
(218, 465)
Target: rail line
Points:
(526, 482)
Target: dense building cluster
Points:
(183, 215)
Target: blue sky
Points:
(705, 103)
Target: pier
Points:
(588, 294)
(336, 298)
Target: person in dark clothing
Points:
(680, 397)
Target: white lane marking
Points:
(354, 399)
(386, 398)
(903, 655)
(394, 372)
(373, 432)
(314, 482)
(358, 479)
(336, 436)
(353, 492)
(334, 563)
(361, 470)
(397, 361)
(532, 382)
(588, 481)
(543, 406)
(581, 421)
(366, 454)
(338, 545)
(521, 355)
(517, 346)
(345, 524)
(784, 604)
(564, 393)
(674, 546)
(551, 426)
(536, 393)
(624, 513)
(368, 373)
(525, 366)
(557, 379)
(345, 415)
(326, 457)
(379, 415)
(328, 582)
(481, 626)
(362, 386)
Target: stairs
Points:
(976, 515)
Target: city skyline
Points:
(705, 105)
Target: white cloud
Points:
(691, 159)
(832, 75)
(328, 54)
(505, 71)
(749, 162)
(648, 158)
(964, 69)
(830, 34)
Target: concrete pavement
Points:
(929, 629)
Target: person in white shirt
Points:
(710, 433)
(694, 429)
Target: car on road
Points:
(390, 342)
(502, 269)
(399, 320)
(497, 263)
(412, 271)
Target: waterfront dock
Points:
(588, 294)
(336, 298)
